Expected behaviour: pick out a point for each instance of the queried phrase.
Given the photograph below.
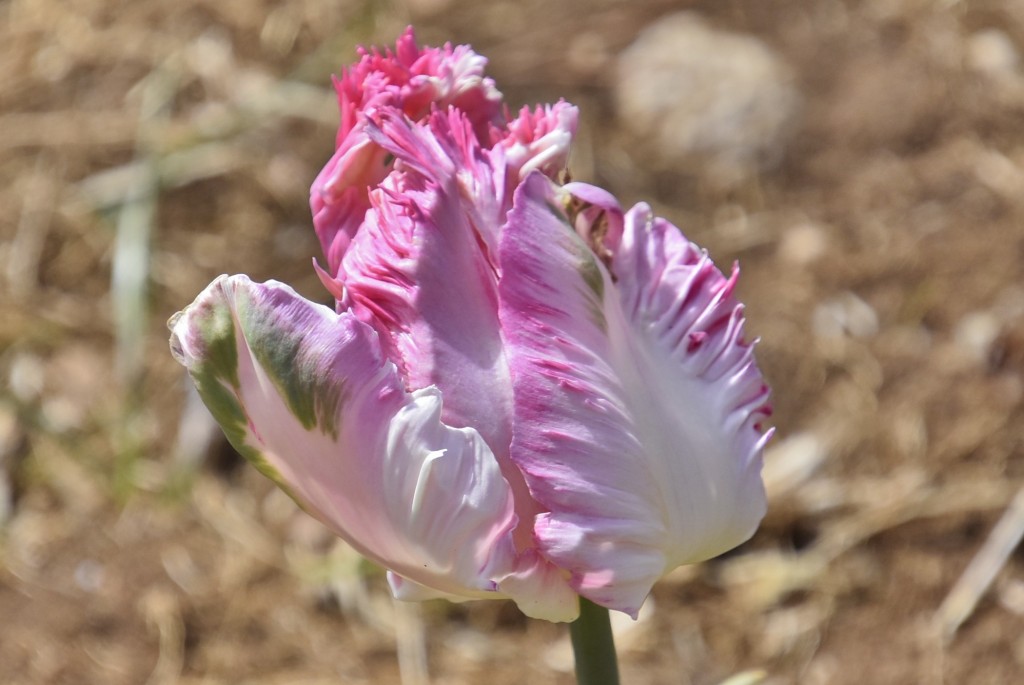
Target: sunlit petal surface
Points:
(637, 400)
(306, 395)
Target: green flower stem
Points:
(594, 646)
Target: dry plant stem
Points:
(594, 646)
(410, 636)
(982, 570)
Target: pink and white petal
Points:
(635, 439)
(340, 194)
(538, 588)
(421, 272)
(443, 155)
(573, 436)
(405, 590)
(307, 396)
(413, 79)
(538, 139)
(410, 80)
(541, 589)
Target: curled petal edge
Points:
(306, 395)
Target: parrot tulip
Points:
(523, 391)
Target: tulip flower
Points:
(523, 391)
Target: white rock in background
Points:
(992, 52)
(803, 243)
(845, 314)
(27, 377)
(722, 103)
(976, 332)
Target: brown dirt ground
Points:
(180, 139)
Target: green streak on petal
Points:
(588, 269)
(313, 396)
(597, 306)
(216, 327)
(591, 274)
(216, 379)
(216, 373)
(559, 213)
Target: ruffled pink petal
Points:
(636, 399)
(411, 80)
(420, 269)
(538, 139)
(340, 195)
(423, 271)
(307, 396)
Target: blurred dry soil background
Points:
(864, 161)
